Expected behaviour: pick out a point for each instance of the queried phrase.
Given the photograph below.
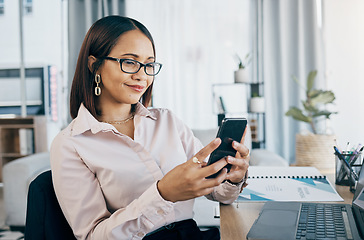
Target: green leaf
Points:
(313, 93)
(324, 97)
(313, 104)
(324, 113)
(310, 108)
(311, 79)
(298, 115)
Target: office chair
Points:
(45, 219)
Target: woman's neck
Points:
(116, 112)
(121, 117)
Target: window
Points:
(28, 6)
(10, 99)
(2, 7)
(197, 42)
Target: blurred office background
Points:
(197, 41)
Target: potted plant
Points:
(240, 74)
(316, 148)
(257, 104)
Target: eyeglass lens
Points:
(132, 66)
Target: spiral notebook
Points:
(287, 184)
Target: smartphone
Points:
(231, 129)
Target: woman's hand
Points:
(240, 163)
(188, 180)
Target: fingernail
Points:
(217, 140)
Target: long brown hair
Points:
(99, 41)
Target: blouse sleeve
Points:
(80, 197)
(226, 192)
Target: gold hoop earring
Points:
(97, 88)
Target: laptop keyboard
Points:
(323, 221)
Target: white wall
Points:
(197, 41)
(344, 48)
(9, 39)
(44, 44)
(42, 34)
(344, 41)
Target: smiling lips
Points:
(137, 88)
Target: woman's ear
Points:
(91, 61)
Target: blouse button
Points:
(140, 234)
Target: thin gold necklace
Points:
(121, 121)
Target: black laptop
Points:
(307, 220)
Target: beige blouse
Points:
(105, 181)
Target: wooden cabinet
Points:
(20, 137)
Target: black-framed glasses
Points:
(132, 66)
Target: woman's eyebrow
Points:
(130, 54)
(135, 55)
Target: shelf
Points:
(20, 137)
(225, 84)
(14, 126)
(4, 122)
(257, 113)
(12, 155)
(235, 97)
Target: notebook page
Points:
(287, 184)
(272, 171)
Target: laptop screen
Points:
(358, 202)
(358, 199)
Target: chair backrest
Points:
(45, 219)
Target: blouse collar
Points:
(86, 121)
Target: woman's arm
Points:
(83, 204)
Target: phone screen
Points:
(231, 129)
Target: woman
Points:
(121, 171)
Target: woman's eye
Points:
(129, 62)
(150, 65)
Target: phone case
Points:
(231, 129)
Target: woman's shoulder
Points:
(64, 133)
(167, 117)
(160, 111)
(163, 114)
